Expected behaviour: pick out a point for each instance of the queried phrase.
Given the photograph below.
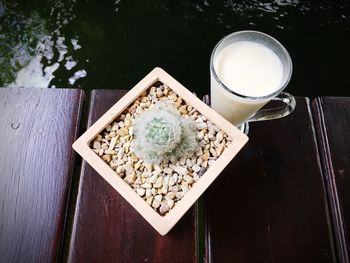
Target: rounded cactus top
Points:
(162, 134)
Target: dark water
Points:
(113, 44)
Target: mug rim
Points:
(246, 97)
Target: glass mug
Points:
(241, 107)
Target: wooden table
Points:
(285, 198)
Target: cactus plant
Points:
(162, 134)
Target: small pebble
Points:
(219, 136)
(104, 146)
(199, 152)
(168, 170)
(195, 177)
(175, 176)
(119, 170)
(148, 192)
(112, 152)
(164, 208)
(112, 143)
(179, 195)
(183, 109)
(166, 181)
(106, 158)
(157, 170)
(210, 162)
(196, 168)
(113, 165)
(120, 153)
(146, 185)
(123, 131)
(189, 164)
(159, 92)
(200, 135)
(202, 171)
(120, 161)
(128, 168)
(170, 195)
(127, 123)
(205, 156)
(211, 134)
(140, 191)
(158, 198)
(137, 165)
(132, 109)
(155, 204)
(164, 190)
(171, 203)
(158, 183)
(166, 90)
(130, 178)
(149, 200)
(138, 180)
(185, 189)
(148, 166)
(146, 174)
(201, 125)
(153, 179)
(181, 170)
(97, 145)
(173, 188)
(114, 126)
(183, 161)
(188, 179)
(172, 181)
(220, 149)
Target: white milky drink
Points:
(249, 69)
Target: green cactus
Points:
(162, 134)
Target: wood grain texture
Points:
(269, 204)
(37, 128)
(332, 117)
(107, 229)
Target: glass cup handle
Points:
(278, 112)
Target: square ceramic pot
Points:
(161, 223)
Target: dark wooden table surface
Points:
(332, 120)
(285, 198)
(37, 129)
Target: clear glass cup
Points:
(240, 109)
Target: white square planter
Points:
(161, 223)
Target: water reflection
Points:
(19, 38)
(33, 48)
(100, 44)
